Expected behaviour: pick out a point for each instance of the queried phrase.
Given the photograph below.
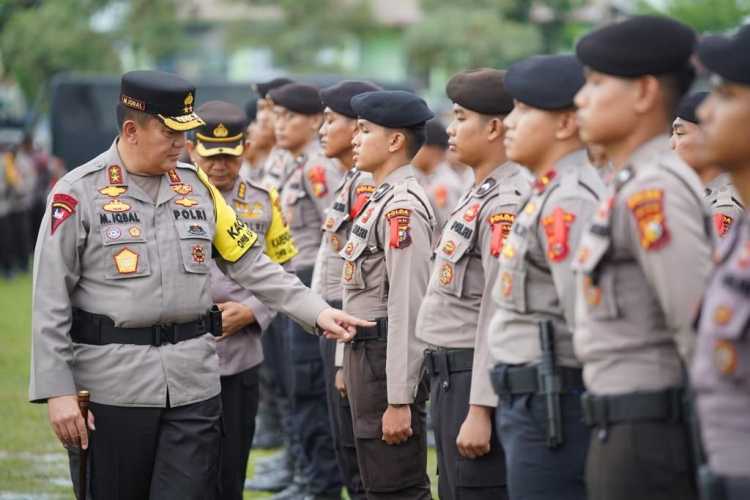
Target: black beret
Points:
(224, 130)
(480, 90)
(297, 97)
(251, 109)
(392, 108)
(436, 134)
(545, 82)
(728, 57)
(688, 106)
(164, 95)
(262, 89)
(641, 45)
(338, 97)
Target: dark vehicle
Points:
(82, 110)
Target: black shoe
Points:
(294, 491)
(277, 461)
(270, 481)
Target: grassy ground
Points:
(33, 465)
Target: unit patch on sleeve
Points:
(399, 227)
(648, 209)
(501, 223)
(63, 206)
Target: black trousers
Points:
(7, 251)
(20, 230)
(153, 453)
(643, 460)
(536, 472)
(239, 398)
(388, 471)
(340, 419)
(458, 477)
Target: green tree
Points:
(703, 15)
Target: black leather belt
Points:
(368, 333)
(97, 329)
(517, 380)
(447, 361)
(666, 405)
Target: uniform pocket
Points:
(195, 246)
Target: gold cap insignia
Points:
(221, 131)
(188, 99)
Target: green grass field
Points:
(33, 464)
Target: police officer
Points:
(688, 140)
(384, 278)
(336, 134)
(279, 161)
(642, 264)
(121, 290)
(217, 151)
(458, 305)
(442, 184)
(531, 332)
(259, 140)
(306, 194)
(720, 374)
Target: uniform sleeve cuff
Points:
(58, 383)
(401, 394)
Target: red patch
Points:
(63, 206)
(472, 212)
(648, 209)
(317, 177)
(441, 196)
(501, 223)
(359, 203)
(399, 226)
(199, 254)
(114, 172)
(557, 228)
(722, 223)
(542, 182)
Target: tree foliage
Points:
(703, 15)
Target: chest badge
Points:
(335, 243)
(348, 273)
(446, 274)
(113, 191)
(449, 248)
(182, 189)
(134, 232)
(186, 202)
(199, 254)
(113, 233)
(725, 357)
(723, 315)
(506, 284)
(116, 206)
(126, 261)
(592, 292)
(329, 223)
(472, 212)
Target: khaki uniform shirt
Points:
(107, 247)
(641, 269)
(279, 165)
(386, 273)
(536, 282)
(259, 209)
(458, 305)
(444, 188)
(723, 204)
(721, 370)
(305, 196)
(253, 173)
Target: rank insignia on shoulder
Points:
(501, 223)
(540, 184)
(317, 178)
(241, 191)
(63, 206)
(126, 261)
(380, 192)
(486, 186)
(471, 212)
(116, 206)
(183, 189)
(725, 356)
(446, 274)
(186, 202)
(648, 209)
(114, 174)
(399, 219)
(557, 229)
(113, 191)
(174, 177)
(722, 223)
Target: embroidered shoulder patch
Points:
(399, 226)
(557, 229)
(63, 206)
(317, 178)
(501, 223)
(648, 209)
(722, 223)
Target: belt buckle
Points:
(161, 335)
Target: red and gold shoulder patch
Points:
(557, 228)
(501, 223)
(317, 178)
(114, 174)
(722, 223)
(63, 206)
(363, 192)
(399, 226)
(648, 209)
(365, 188)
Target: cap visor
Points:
(182, 123)
(205, 148)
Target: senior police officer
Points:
(121, 290)
(217, 151)
(537, 376)
(688, 140)
(642, 264)
(336, 134)
(720, 373)
(307, 192)
(458, 305)
(384, 278)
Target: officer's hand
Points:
(340, 383)
(234, 317)
(397, 424)
(473, 439)
(338, 325)
(67, 421)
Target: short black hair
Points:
(415, 139)
(124, 114)
(675, 86)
